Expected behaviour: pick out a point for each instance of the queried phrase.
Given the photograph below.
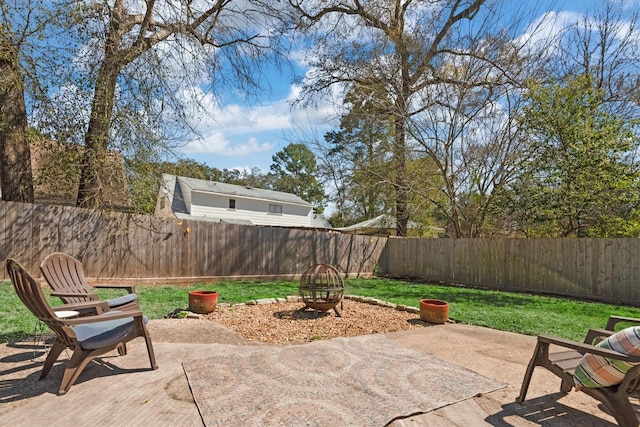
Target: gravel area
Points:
(288, 323)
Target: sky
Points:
(245, 135)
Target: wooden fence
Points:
(139, 248)
(148, 249)
(600, 269)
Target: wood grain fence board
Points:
(515, 264)
(553, 264)
(12, 244)
(489, 272)
(581, 278)
(512, 263)
(610, 289)
(19, 239)
(424, 257)
(543, 263)
(573, 255)
(605, 270)
(618, 267)
(625, 264)
(447, 259)
(633, 287)
(621, 267)
(197, 249)
(456, 267)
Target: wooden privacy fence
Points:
(601, 269)
(140, 248)
(144, 248)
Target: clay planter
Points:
(202, 302)
(434, 311)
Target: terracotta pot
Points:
(203, 302)
(434, 311)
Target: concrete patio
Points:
(124, 391)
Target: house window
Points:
(232, 204)
(275, 209)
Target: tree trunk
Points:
(95, 174)
(400, 181)
(93, 177)
(15, 164)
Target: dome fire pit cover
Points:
(322, 288)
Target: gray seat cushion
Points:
(125, 299)
(102, 334)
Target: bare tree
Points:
(392, 46)
(146, 52)
(15, 166)
(15, 154)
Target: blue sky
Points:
(239, 134)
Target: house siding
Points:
(188, 201)
(256, 211)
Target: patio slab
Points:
(123, 391)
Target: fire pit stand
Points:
(322, 288)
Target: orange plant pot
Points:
(203, 302)
(434, 311)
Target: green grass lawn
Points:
(521, 313)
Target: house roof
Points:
(214, 187)
(383, 221)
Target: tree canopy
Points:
(580, 177)
(294, 170)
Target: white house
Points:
(190, 198)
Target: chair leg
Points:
(122, 349)
(150, 352)
(541, 351)
(566, 386)
(525, 382)
(54, 352)
(79, 360)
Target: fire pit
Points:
(322, 288)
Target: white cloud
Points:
(245, 130)
(546, 28)
(218, 143)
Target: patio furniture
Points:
(66, 277)
(88, 337)
(565, 363)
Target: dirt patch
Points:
(289, 323)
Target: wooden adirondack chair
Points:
(66, 277)
(88, 337)
(563, 364)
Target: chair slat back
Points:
(65, 274)
(30, 293)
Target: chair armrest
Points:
(111, 315)
(74, 295)
(614, 320)
(98, 305)
(583, 348)
(129, 288)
